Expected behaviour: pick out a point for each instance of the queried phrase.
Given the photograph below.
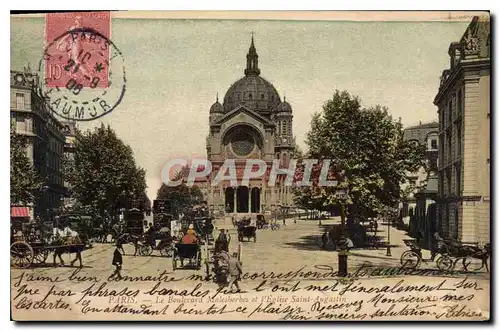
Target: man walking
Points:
(234, 272)
(117, 262)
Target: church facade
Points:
(251, 123)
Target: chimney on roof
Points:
(419, 122)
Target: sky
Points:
(175, 68)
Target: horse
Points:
(69, 245)
(482, 254)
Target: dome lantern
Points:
(252, 61)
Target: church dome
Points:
(252, 90)
(284, 107)
(216, 108)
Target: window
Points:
(459, 102)
(19, 101)
(434, 144)
(441, 119)
(262, 96)
(449, 147)
(441, 184)
(29, 124)
(456, 223)
(20, 126)
(448, 180)
(450, 111)
(250, 96)
(458, 179)
(459, 137)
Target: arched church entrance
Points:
(242, 195)
(255, 201)
(229, 200)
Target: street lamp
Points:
(389, 253)
(342, 195)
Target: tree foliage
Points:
(367, 145)
(24, 181)
(181, 195)
(103, 173)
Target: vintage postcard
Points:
(250, 166)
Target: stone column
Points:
(222, 197)
(234, 201)
(249, 199)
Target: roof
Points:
(246, 110)
(431, 125)
(254, 92)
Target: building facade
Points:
(69, 130)
(463, 100)
(251, 123)
(420, 188)
(45, 139)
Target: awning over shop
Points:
(19, 212)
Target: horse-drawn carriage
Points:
(181, 252)
(450, 253)
(148, 243)
(36, 241)
(246, 230)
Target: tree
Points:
(181, 195)
(367, 149)
(24, 181)
(103, 173)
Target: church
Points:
(252, 122)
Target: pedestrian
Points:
(349, 244)
(118, 263)
(284, 221)
(234, 272)
(324, 239)
(120, 241)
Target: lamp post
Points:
(388, 253)
(342, 256)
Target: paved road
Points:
(291, 247)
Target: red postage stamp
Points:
(78, 56)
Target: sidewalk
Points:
(379, 256)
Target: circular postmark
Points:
(82, 75)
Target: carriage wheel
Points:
(166, 251)
(444, 263)
(21, 254)
(198, 260)
(41, 255)
(410, 259)
(146, 250)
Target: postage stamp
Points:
(363, 194)
(82, 71)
